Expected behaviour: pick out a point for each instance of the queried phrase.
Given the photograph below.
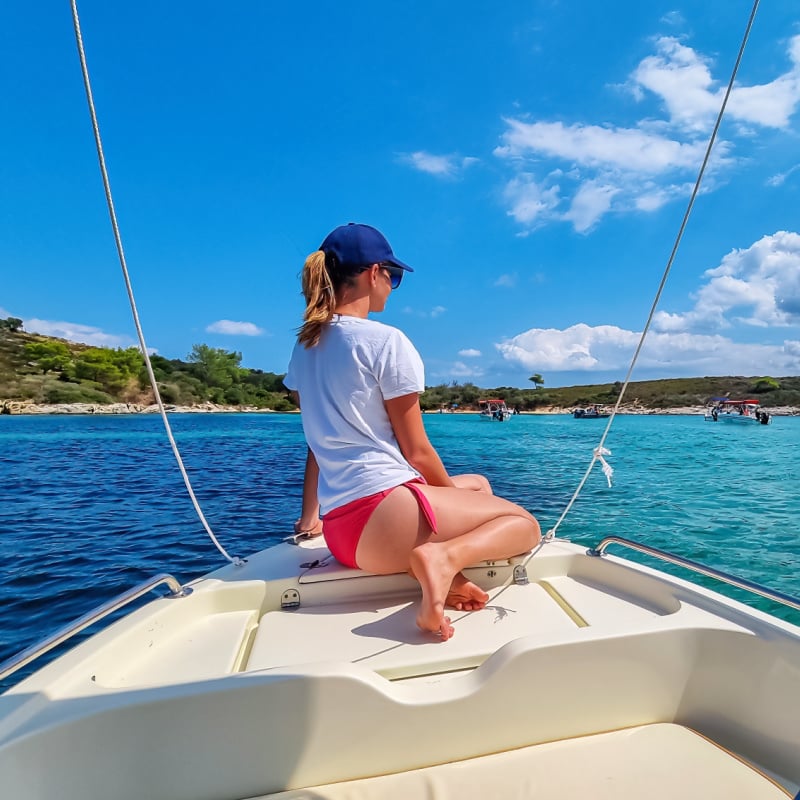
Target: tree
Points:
(114, 369)
(214, 366)
(12, 324)
(49, 356)
(537, 380)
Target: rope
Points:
(120, 252)
(600, 450)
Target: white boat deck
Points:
(349, 616)
(593, 659)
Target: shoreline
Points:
(21, 408)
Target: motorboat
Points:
(494, 408)
(740, 412)
(290, 676)
(590, 412)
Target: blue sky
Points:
(532, 161)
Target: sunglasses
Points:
(395, 275)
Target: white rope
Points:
(118, 239)
(600, 450)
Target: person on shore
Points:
(387, 502)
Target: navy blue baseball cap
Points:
(355, 245)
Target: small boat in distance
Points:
(494, 408)
(741, 412)
(712, 408)
(590, 412)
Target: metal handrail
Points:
(710, 572)
(11, 665)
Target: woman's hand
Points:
(308, 527)
(474, 482)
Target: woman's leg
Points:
(472, 527)
(464, 595)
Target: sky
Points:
(531, 160)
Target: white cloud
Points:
(229, 328)
(507, 280)
(608, 348)
(458, 369)
(529, 200)
(469, 353)
(610, 169)
(758, 286)
(432, 313)
(579, 347)
(443, 166)
(781, 177)
(75, 332)
(578, 172)
(628, 149)
(683, 80)
(590, 202)
(674, 18)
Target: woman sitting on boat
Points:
(387, 501)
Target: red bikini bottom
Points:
(343, 526)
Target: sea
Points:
(92, 505)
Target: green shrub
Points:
(765, 384)
(75, 393)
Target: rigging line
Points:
(600, 450)
(121, 253)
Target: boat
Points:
(290, 676)
(286, 675)
(740, 412)
(590, 412)
(494, 408)
(711, 413)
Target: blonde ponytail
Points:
(319, 293)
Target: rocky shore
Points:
(22, 407)
(775, 411)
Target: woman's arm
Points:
(406, 418)
(309, 521)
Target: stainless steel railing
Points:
(33, 652)
(695, 566)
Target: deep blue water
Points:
(91, 505)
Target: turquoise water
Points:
(92, 505)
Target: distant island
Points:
(38, 373)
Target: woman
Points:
(387, 501)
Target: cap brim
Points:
(395, 262)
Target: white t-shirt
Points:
(343, 382)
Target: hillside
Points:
(43, 369)
(660, 394)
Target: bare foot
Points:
(434, 571)
(464, 595)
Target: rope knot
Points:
(608, 470)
